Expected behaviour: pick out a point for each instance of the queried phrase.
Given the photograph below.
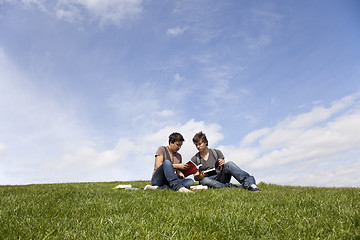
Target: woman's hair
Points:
(200, 136)
(176, 137)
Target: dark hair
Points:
(200, 136)
(176, 137)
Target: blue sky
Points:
(90, 89)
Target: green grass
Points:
(96, 211)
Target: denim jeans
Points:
(166, 178)
(222, 179)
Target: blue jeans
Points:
(166, 178)
(222, 179)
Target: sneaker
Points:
(150, 187)
(253, 188)
(185, 190)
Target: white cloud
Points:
(256, 43)
(130, 159)
(86, 157)
(135, 103)
(188, 130)
(176, 31)
(102, 11)
(314, 141)
(220, 83)
(165, 113)
(105, 11)
(252, 137)
(178, 78)
(317, 148)
(56, 146)
(38, 3)
(50, 144)
(265, 18)
(34, 125)
(267, 23)
(318, 114)
(2, 147)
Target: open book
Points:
(191, 170)
(210, 172)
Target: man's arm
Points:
(180, 166)
(221, 162)
(159, 159)
(199, 176)
(220, 159)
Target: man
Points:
(220, 176)
(168, 165)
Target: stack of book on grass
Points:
(126, 187)
(198, 188)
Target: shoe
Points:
(184, 190)
(150, 187)
(253, 188)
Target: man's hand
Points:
(202, 175)
(221, 162)
(180, 174)
(199, 176)
(181, 166)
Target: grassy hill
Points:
(96, 211)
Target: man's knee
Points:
(205, 181)
(167, 162)
(188, 182)
(230, 164)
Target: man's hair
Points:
(176, 137)
(200, 136)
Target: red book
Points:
(191, 170)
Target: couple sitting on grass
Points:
(168, 167)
